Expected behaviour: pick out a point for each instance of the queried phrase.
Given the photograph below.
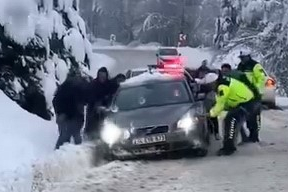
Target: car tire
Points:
(271, 105)
(201, 152)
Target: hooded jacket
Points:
(100, 92)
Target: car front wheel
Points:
(201, 152)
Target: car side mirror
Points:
(179, 54)
(157, 55)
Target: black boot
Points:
(225, 152)
(254, 137)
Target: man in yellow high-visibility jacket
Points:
(237, 98)
(256, 75)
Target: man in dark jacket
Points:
(226, 68)
(100, 91)
(68, 102)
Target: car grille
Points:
(152, 130)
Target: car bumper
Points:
(269, 95)
(175, 141)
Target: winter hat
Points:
(103, 69)
(245, 53)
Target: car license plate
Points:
(149, 140)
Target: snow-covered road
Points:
(253, 168)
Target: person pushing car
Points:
(235, 97)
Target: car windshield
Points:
(168, 52)
(136, 73)
(149, 95)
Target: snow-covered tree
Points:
(41, 41)
(263, 27)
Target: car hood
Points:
(139, 118)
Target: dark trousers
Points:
(69, 128)
(232, 124)
(234, 120)
(254, 121)
(93, 124)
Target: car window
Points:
(164, 52)
(158, 94)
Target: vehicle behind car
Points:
(154, 116)
(135, 72)
(168, 55)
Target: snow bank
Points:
(22, 131)
(23, 138)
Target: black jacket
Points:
(101, 92)
(70, 98)
(247, 67)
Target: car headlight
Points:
(126, 134)
(112, 134)
(187, 123)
